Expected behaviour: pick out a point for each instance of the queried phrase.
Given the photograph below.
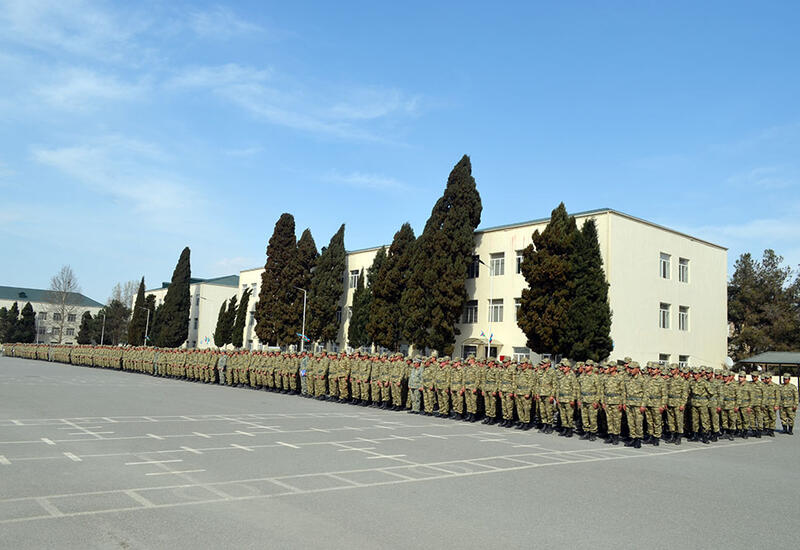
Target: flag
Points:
(304, 337)
(491, 337)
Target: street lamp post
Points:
(103, 330)
(146, 325)
(491, 300)
(303, 330)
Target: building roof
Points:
(227, 280)
(774, 358)
(19, 294)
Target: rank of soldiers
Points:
(614, 399)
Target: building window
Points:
(244, 286)
(42, 330)
(339, 315)
(683, 270)
(195, 323)
(470, 313)
(663, 315)
(56, 316)
(252, 318)
(473, 269)
(664, 265)
(517, 305)
(354, 278)
(466, 351)
(521, 353)
(71, 317)
(683, 318)
(70, 332)
(42, 316)
(496, 311)
(349, 312)
(683, 361)
(519, 261)
(497, 264)
(252, 285)
(663, 359)
(54, 330)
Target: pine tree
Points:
(87, 328)
(307, 257)
(384, 326)
(174, 312)
(275, 317)
(230, 319)
(219, 330)
(327, 286)
(11, 322)
(150, 305)
(547, 268)
(26, 328)
(589, 319)
(3, 324)
(139, 319)
(237, 330)
(436, 290)
(110, 326)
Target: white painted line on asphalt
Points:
(396, 474)
(107, 419)
(154, 436)
(189, 449)
(72, 457)
(150, 419)
(321, 430)
(502, 440)
(436, 436)
(198, 434)
(4, 461)
(401, 437)
(153, 462)
(348, 481)
(188, 418)
(48, 441)
(17, 422)
(49, 508)
(140, 499)
(242, 447)
(167, 473)
(359, 449)
(287, 444)
(244, 433)
(385, 456)
(365, 440)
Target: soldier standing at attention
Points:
(756, 403)
(429, 385)
(345, 366)
(727, 402)
(442, 383)
(523, 394)
(589, 400)
(699, 394)
(788, 404)
(507, 383)
(743, 406)
(396, 380)
(613, 400)
(771, 394)
(547, 398)
(490, 386)
(655, 401)
(457, 389)
(567, 393)
(714, 408)
(634, 406)
(415, 386)
(472, 380)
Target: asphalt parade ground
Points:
(92, 458)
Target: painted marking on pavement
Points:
(154, 436)
(189, 449)
(49, 508)
(287, 444)
(73, 458)
(385, 456)
(140, 499)
(244, 433)
(153, 462)
(180, 472)
(4, 461)
(48, 441)
(198, 434)
(242, 447)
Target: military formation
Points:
(614, 400)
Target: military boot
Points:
(714, 437)
(704, 438)
(757, 433)
(771, 433)
(655, 442)
(567, 432)
(637, 443)
(677, 439)
(791, 429)
(592, 436)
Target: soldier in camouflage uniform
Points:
(590, 389)
(523, 394)
(788, 404)
(345, 371)
(456, 389)
(429, 385)
(490, 387)
(547, 396)
(634, 405)
(396, 380)
(567, 394)
(699, 395)
(442, 384)
(756, 403)
(655, 401)
(727, 402)
(507, 385)
(472, 384)
(613, 400)
(771, 396)
(743, 406)
(415, 386)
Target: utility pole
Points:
(303, 330)
(103, 330)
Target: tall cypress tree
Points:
(225, 321)
(138, 319)
(388, 284)
(219, 330)
(3, 324)
(274, 315)
(86, 329)
(174, 312)
(307, 257)
(589, 319)
(436, 291)
(11, 322)
(547, 267)
(26, 327)
(327, 286)
(150, 328)
(237, 330)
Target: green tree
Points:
(237, 330)
(9, 328)
(111, 323)
(219, 330)
(327, 286)
(762, 306)
(588, 328)
(138, 319)
(26, 327)
(547, 267)
(174, 312)
(436, 289)
(3, 324)
(385, 321)
(275, 316)
(86, 330)
(307, 257)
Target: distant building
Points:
(48, 317)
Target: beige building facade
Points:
(667, 291)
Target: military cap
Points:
(611, 363)
(742, 374)
(589, 362)
(565, 362)
(786, 376)
(766, 375)
(656, 366)
(755, 374)
(634, 365)
(546, 360)
(456, 358)
(446, 358)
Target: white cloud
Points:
(766, 178)
(363, 180)
(220, 22)
(81, 89)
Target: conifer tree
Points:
(3, 324)
(588, 328)
(10, 326)
(138, 319)
(436, 290)
(26, 327)
(237, 330)
(219, 330)
(85, 332)
(307, 257)
(327, 286)
(150, 305)
(387, 285)
(274, 314)
(547, 268)
(174, 312)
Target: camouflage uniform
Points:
(655, 399)
(771, 393)
(457, 389)
(415, 386)
(788, 404)
(613, 400)
(442, 384)
(634, 405)
(429, 385)
(490, 385)
(589, 386)
(523, 395)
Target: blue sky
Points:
(682, 113)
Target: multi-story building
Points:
(53, 320)
(667, 291)
(207, 296)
